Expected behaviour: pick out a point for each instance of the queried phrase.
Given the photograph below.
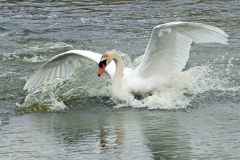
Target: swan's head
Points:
(106, 58)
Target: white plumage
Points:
(168, 49)
(166, 54)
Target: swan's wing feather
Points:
(168, 49)
(63, 66)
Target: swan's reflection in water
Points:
(96, 133)
(124, 139)
(102, 132)
(103, 141)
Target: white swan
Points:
(166, 54)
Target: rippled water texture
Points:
(196, 118)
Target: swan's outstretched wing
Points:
(63, 66)
(168, 49)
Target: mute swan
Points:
(166, 55)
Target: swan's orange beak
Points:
(101, 70)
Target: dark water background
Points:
(33, 31)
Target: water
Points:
(196, 119)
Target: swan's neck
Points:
(117, 78)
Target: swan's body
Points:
(166, 54)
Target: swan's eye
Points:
(101, 63)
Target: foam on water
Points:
(32, 52)
(35, 58)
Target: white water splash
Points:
(51, 95)
(178, 92)
(44, 98)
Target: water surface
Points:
(200, 121)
